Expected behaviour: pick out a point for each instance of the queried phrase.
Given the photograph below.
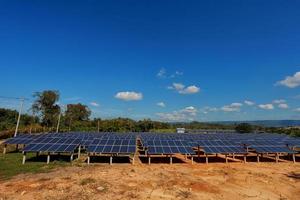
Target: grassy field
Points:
(11, 165)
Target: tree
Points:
(46, 105)
(76, 113)
(244, 128)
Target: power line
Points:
(17, 98)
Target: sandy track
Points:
(160, 181)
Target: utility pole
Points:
(19, 117)
(98, 126)
(58, 123)
(32, 122)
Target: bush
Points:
(244, 128)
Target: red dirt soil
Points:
(159, 181)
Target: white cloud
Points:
(181, 89)
(162, 73)
(190, 110)
(186, 114)
(266, 106)
(283, 106)
(249, 103)
(290, 81)
(234, 107)
(279, 101)
(190, 90)
(129, 96)
(95, 104)
(161, 104)
(297, 109)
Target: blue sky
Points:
(165, 60)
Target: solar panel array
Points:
(155, 144)
(68, 142)
(229, 143)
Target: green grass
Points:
(11, 165)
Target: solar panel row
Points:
(156, 143)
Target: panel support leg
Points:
(133, 160)
(110, 160)
(171, 160)
(294, 158)
(277, 157)
(24, 158)
(79, 151)
(71, 157)
(4, 149)
(206, 158)
(192, 158)
(258, 158)
(149, 160)
(88, 159)
(245, 159)
(48, 158)
(226, 158)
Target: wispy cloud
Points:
(279, 101)
(297, 109)
(162, 73)
(186, 114)
(95, 104)
(283, 106)
(234, 107)
(161, 104)
(249, 103)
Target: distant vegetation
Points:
(244, 128)
(76, 117)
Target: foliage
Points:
(8, 119)
(46, 105)
(244, 128)
(76, 113)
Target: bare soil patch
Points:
(159, 181)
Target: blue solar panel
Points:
(260, 149)
(224, 150)
(113, 145)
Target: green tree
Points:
(46, 105)
(244, 128)
(76, 113)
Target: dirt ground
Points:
(159, 181)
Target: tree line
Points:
(48, 113)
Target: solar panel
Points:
(156, 150)
(113, 145)
(224, 150)
(55, 145)
(20, 139)
(260, 149)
